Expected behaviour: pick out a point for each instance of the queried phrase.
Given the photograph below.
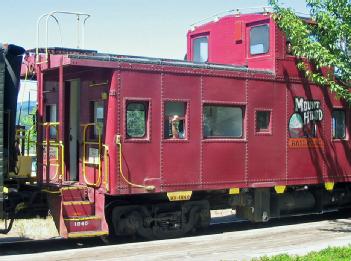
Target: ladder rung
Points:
(91, 143)
(91, 163)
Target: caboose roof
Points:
(162, 61)
(92, 58)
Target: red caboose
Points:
(136, 145)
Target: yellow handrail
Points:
(47, 142)
(119, 144)
(62, 176)
(107, 166)
(84, 162)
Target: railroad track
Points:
(218, 225)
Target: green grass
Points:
(328, 254)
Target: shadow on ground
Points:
(218, 225)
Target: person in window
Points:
(177, 128)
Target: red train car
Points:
(136, 145)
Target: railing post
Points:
(47, 138)
(84, 162)
(107, 167)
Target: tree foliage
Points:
(29, 124)
(325, 41)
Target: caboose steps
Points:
(77, 215)
(71, 209)
(74, 193)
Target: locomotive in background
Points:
(20, 197)
(135, 145)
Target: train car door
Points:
(74, 97)
(140, 92)
(267, 134)
(180, 147)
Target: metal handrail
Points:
(52, 15)
(84, 161)
(236, 11)
(107, 167)
(38, 24)
(47, 142)
(61, 177)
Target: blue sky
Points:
(154, 28)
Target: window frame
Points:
(196, 37)
(269, 130)
(241, 105)
(53, 130)
(147, 135)
(250, 27)
(185, 118)
(346, 132)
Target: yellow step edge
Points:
(82, 218)
(91, 163)
(91, 143)
(67, 203)
(73, 188)
(51, 191)
(83, 234)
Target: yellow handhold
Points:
(280, 189)
(234, 191)
(329, 186)
(104, 96)
(5, 190)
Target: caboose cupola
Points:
(238, 39)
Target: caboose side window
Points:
(175, 120)
(51, 116)
(339, 124)
(259, 40)
(263, 121)
(136, 119)
(98, 116)
(220, 121)
(200, 49)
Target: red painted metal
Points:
(78, 194)
(82, 224)
(78, 209)
(229, 38)
(270, 82)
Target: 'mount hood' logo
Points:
(310, 110)
(307, 113)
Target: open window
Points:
(222, 121)
(259, 39)
(339, 124)
(200, 49)
(136, 119)
(263, 122)
(175, 120)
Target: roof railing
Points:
(236, 12)
(52, 14)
